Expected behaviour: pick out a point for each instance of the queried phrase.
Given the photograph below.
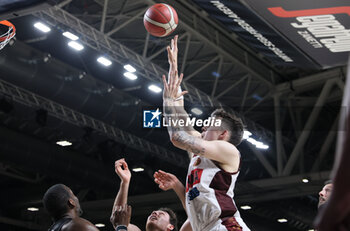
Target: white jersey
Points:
(209, 197)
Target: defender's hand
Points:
(121, 215)
(165, 180)
(122, 169)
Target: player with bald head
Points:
(64, 209)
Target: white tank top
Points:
(209, 195)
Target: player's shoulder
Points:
(80, 224)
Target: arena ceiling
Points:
(50, 92)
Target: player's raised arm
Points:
(170, 95)
(122, 170)
(215, 147)
(218, 150)
(168, 181)
(179, 102)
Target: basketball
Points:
(160, 20)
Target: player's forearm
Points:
(178, 136)
(182, 114)
(122, 196)
(187, 142)
(170, 114)
(180, 110)
(180, 192)
(172, 67)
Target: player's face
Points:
(324, 194)
(77, 208)
(211, 132)
(158, 220)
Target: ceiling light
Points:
(64, 143)
(32, 209)
(282, 220)
(110, 88)
(305, 180)
(41, 26)
(251, 140)
(104, 61)
(82, 75)
(100, 225)
(257, 144)
(246, 207)
(71, 36)
(260, 145)
(154, 88)
(47, 58)
(75, 45)
(197, 111)
(216, 74)
(138, 169)
(129, 68)
(246, 134)
(310, 230)
(130, 75)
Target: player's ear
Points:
(71, 203)
(224, 135)
(170, 227)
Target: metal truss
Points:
(327, 80)
(310, 82)
(16, 174)
(148, 69)
(308, 126)
(121, 54)
(226, 44)
(199, 26)
(66, 114)
(118, 52)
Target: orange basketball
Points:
(160, 20)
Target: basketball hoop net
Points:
(7, 36)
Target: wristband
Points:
(121, 228)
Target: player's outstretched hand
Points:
(171, 88)
(122, 169)
(165, 180)
(121, 215)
